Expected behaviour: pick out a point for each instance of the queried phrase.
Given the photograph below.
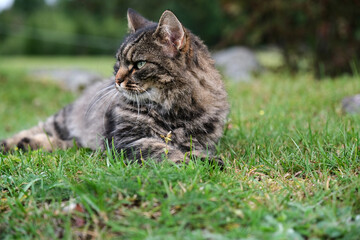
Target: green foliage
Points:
(292, 170)
(326, 32)
(27, 7)
(51, 30)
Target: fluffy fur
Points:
(165, 80)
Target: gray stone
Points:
(351, 105)
(71, 79)
(237, 63)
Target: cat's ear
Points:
(136, 21)
(170, 31)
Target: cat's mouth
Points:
(133, 91)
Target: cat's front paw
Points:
(15, 143)
(213, 161)
(216, 161)
(3, 146)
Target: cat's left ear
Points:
(136, 21)
(170, 31)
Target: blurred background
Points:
(321, 36)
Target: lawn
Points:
(292, 168)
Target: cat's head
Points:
(157, 60)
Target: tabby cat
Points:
(165, 81)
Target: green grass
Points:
(292, 169)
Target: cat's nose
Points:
(120, 75)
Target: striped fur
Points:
(165, 80)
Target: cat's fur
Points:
(178, 89)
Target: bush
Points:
(326, 32)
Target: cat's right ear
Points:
(136, 21)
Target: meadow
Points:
(291, 167)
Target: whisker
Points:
(103, 90)
(138, 104)
(108, 106)
(103, 97)
(147, 100)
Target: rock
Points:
(71, 79)
(351, 105)
(237, 63)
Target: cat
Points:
(166, 100)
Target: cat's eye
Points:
(140, 64)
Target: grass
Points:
(292, 169)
